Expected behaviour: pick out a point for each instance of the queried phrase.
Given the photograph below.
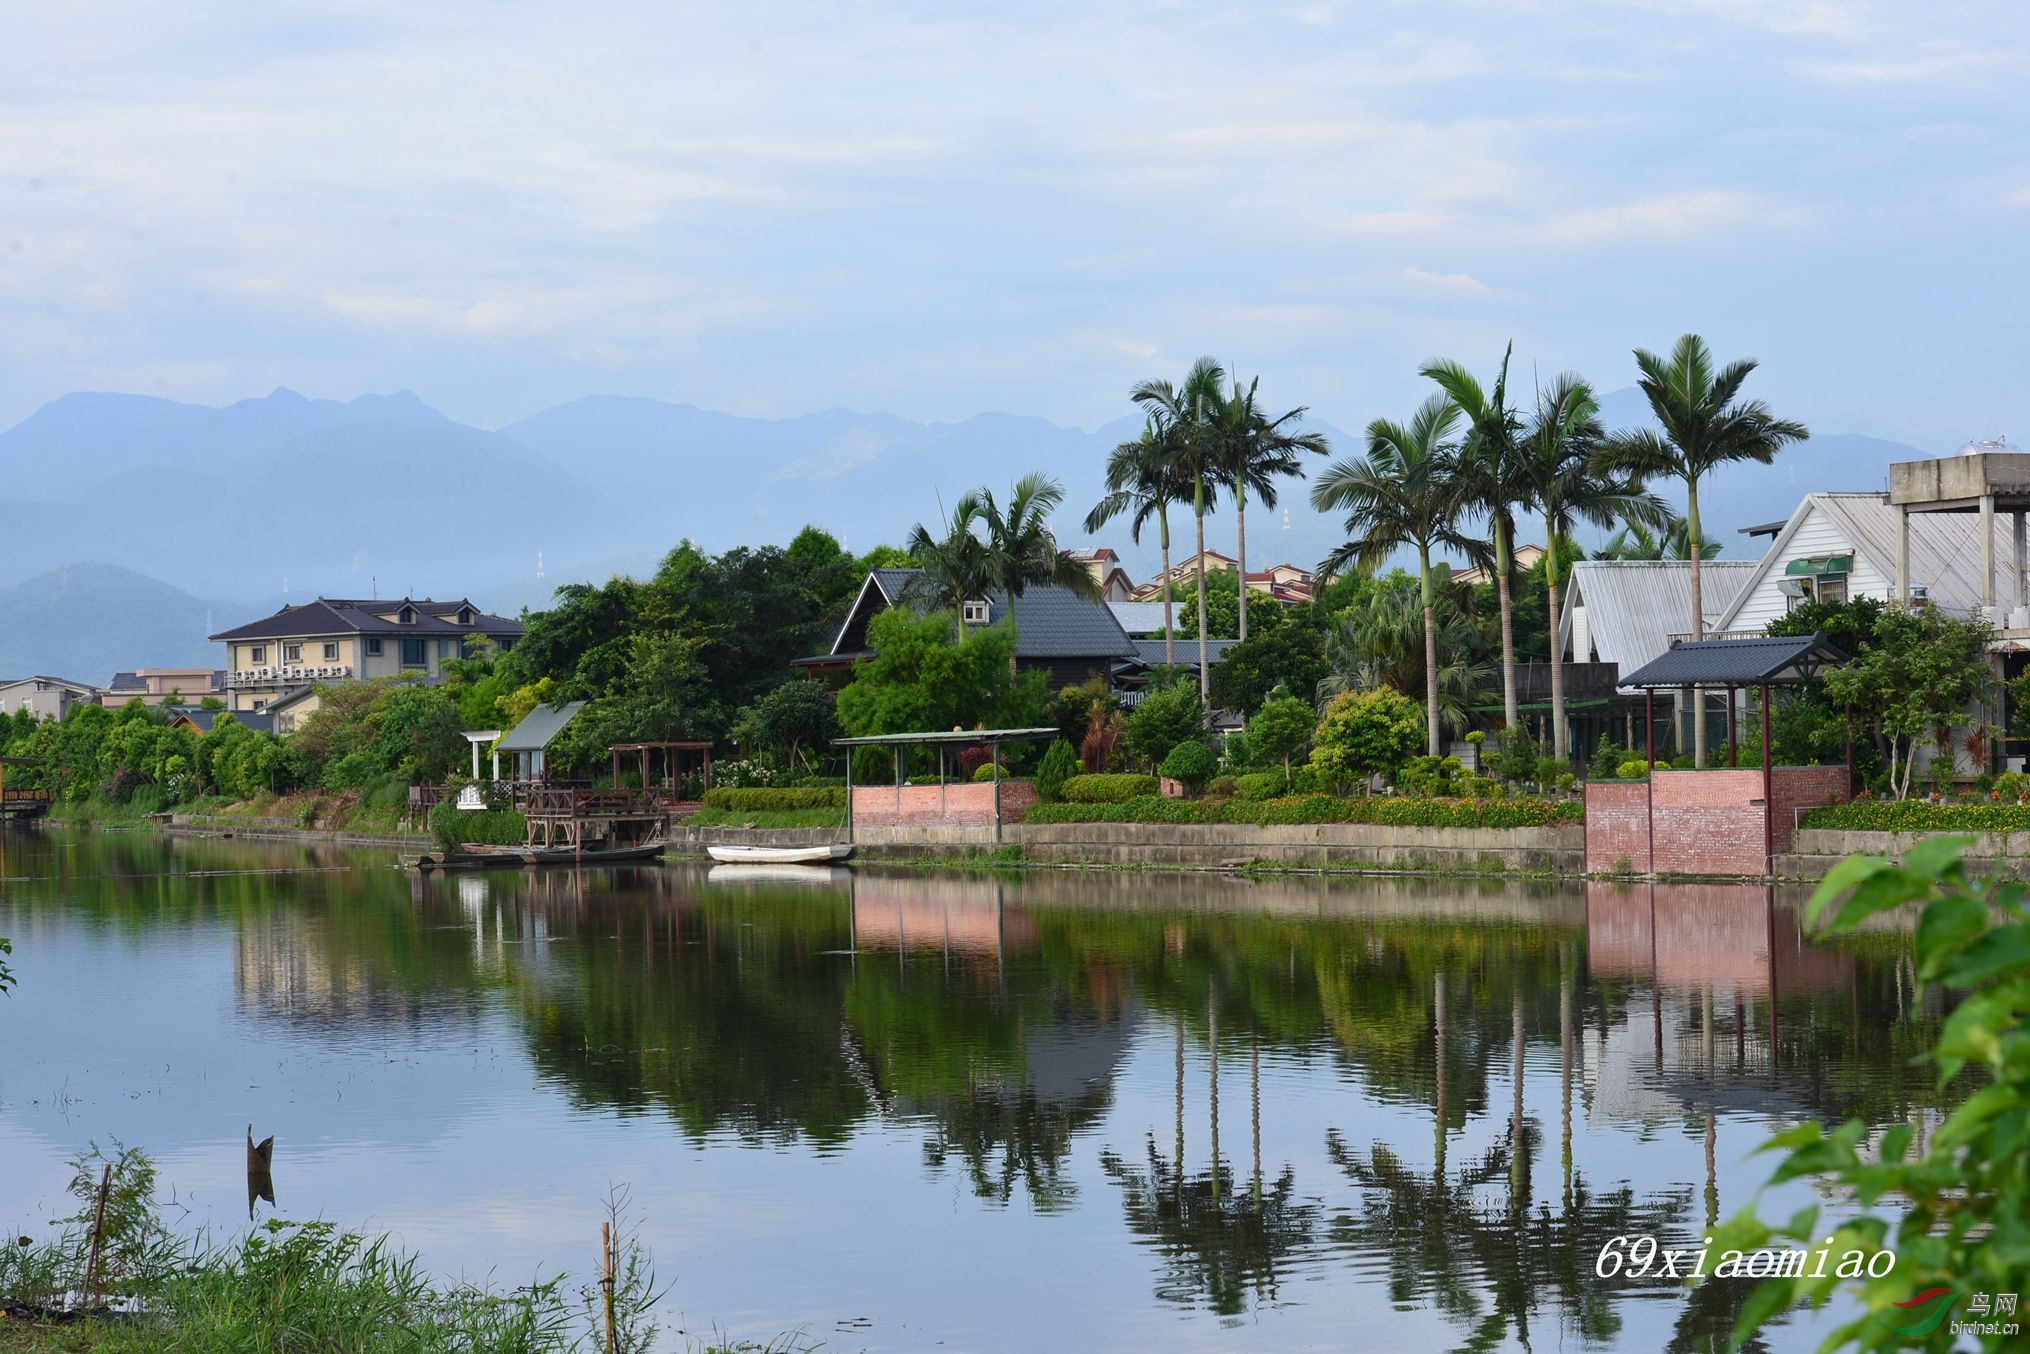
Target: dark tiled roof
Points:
(127, 681)
(1050, 622)
(1737, 662)
(1150, 651)
(341, 616)
(260, 721)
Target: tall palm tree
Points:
(1254, 451)
(1143, 483)
(1402, 493)
(1569, 483)
(1703, 426)
(1182, 415)
(1637, 542)
(953, 562)
(1020, 550)
(1378, 642)
(1492, 479)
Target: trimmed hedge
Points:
(1107, 788)
(775, 798)
(1391, 811)
(1918, 815)
(1259, 785)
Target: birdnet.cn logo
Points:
(1929, 1310)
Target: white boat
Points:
(779, 855)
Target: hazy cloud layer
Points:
(938, 210)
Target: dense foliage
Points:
(924, 677)
(1390, 810)
(1060, 764)
(1919, 815)
(776, 799)
(1915, 677)
(1106, 788)
(1961, 1198)
(1365, 734)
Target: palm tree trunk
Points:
(1169, 628)
(1692, 538)
(1430, 653)
(1198, 513)
(1558, 749)
(1241, 548)
(1502, 560)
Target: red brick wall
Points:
(1617, 826)
(1705, 822)
(953, 804)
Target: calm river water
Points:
(902, 1110)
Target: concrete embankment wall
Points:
(1816, 850)
(286, 830)
(1550, 850)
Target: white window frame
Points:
(976, 613)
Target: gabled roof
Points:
(77, 688)
(1633, 606)
(539, 727)
(203, 720)
(1773, 659)
(1050, 621)
(342, 616)
(1145, 618)
(1149, 652)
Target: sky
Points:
(942, 209)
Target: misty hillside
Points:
(88, 621)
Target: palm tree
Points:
(1378, 642)
(1569, 482)
(1255, 451)
(1637, 542)
(1703, 427)
(953, 563)
(1492, 479)
(1403, 492)
(1020, 550)
(1180, 413)
(1142, 483)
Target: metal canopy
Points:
(944, 736)
(1766, 661)
(1820, 564)
(541, 725)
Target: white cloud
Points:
(1143, 352)
(1449, 284)
(1695, 214)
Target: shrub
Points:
(1107, 788)
(1222, 787)
(451, 826)
(1166, 717)
(1632, 770)
(1394, 811)
(985, 772)
(1482, 787)
(1191, 764)
(1430, 775)
(1567, 781)
(1366, 732)
(775, 798)
(1547, 771)
(1059, 765)
(2012, 787)
(1606, 758)
(1917, 815)
(1259, 785)
(1516, 753)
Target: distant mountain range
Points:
(288, 497)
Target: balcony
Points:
(289, 674)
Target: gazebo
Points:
(1700, 822)
(528, 741)
(955, 804)
(673, 755)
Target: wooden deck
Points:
(582, 818)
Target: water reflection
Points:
(1227, 1084)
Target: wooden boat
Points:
(472, 856)
(779, 855)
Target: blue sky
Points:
(943, 209)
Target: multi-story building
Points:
(340, 640)
(163, 686)
(44, 697)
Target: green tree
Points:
(1191, 764)
(1021, 548)
(1917, 679)
(922, 678)
(1702, 425)
(1402, 494)
(1290, 653)
(1059, 765)
(1378, 641)
(1570, 481)
(1363, 734)
(1636, 541)
(1281, 727)
(1167, 716)
(1254, 450)
(1181, 417)
(796, 715)
(1143, 482)
(1494, 483)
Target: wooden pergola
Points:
(673, 760)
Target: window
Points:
(260, 706)
(976, 613)
(413, 654)
(465, 615)
(292, 653)
(1830, 588)
(373, 646)
(331, 653)
(257, 655)
(406, 616)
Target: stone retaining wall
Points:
(1818, 849)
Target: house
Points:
(1284, 582)
(1056, 630)
(1521, 560)
(44, 697)
(334, 639)
(155, 686)
(202, 721)
(1105, 567)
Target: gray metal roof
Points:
(539, 727)
(1633, 607)
(1774, 659)
(1050, 621)
(1150, 651)
(944, 736)
(1145, 618)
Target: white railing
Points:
(296, 673)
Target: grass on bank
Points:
(113, 1279)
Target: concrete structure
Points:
(1986, 478)
(156, 686)
(1522, 559)
(45, 697)
(339, 640)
